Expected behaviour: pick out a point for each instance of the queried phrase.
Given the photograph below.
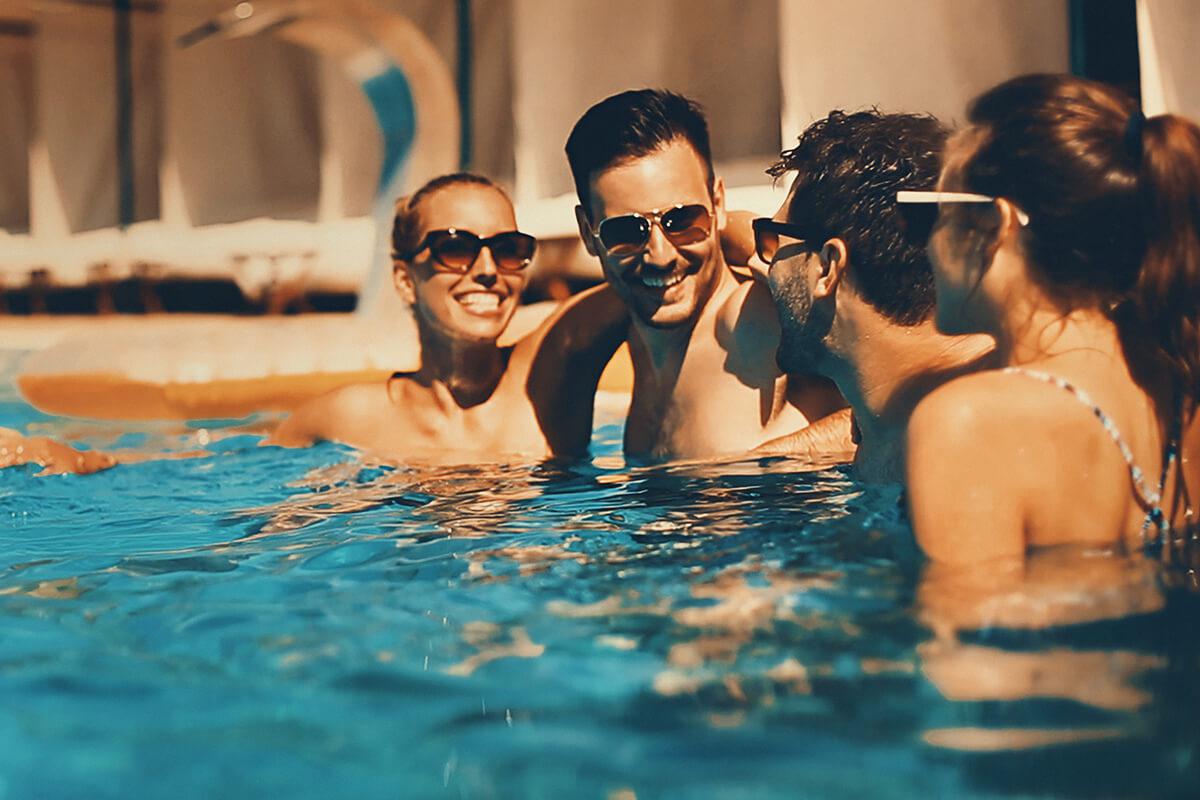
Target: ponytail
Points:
(1166, 295)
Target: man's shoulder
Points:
(747, 316)
(574, 319)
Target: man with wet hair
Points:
(854, 291)
(652, 210)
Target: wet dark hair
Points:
(630, 125)
(1113, 200)
(406, 223)
(849, 168)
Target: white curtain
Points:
(16, 125)
(147, 97)
(569, 55)
(352, 146)
(928, 56)
(75, 68)
(1168, 34)
(492, 89)
(243, 125)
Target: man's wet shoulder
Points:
(749, 318)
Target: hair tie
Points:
(1133, 134)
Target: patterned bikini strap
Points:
(1150, 499)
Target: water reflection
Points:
(640, 623)
(1043, 605)
(1069, 651)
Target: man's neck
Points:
(658, 350)
(888, 370)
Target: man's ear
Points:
(402, 280)
(585, 230)
(835, 258)
(718, 198)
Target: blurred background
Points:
(196, 195)
(208, 155)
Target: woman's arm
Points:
(328, 417)
(55, 457)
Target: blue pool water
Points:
(263, 622)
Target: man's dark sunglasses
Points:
(766, 237)
(626, 234)
(456, 250)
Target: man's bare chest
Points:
(707, 411)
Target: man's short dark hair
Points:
(849, 168)
(631, 125)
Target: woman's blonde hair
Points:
(406, 222)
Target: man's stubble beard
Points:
(804, 328)
(705, 282)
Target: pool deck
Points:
(184, 365)
(39, 331)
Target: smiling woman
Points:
(460, 261)
(462, 279)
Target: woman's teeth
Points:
(480, 302)
(663, 281)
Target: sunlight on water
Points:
(261, 621)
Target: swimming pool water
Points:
(262, 622)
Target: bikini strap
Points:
(1149, 498)
(1170, 454)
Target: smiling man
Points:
(702, 339)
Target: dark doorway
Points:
(1104, 44)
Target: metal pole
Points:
(123, 41)
(464, 64)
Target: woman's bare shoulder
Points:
(333, 415)
(989, 425)
(963, 468)
(989, 403)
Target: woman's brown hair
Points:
(1114, 204)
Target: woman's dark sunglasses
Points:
(917, 221)
(626, 234)
(919, 211)
(456, 250)
(766, 237)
